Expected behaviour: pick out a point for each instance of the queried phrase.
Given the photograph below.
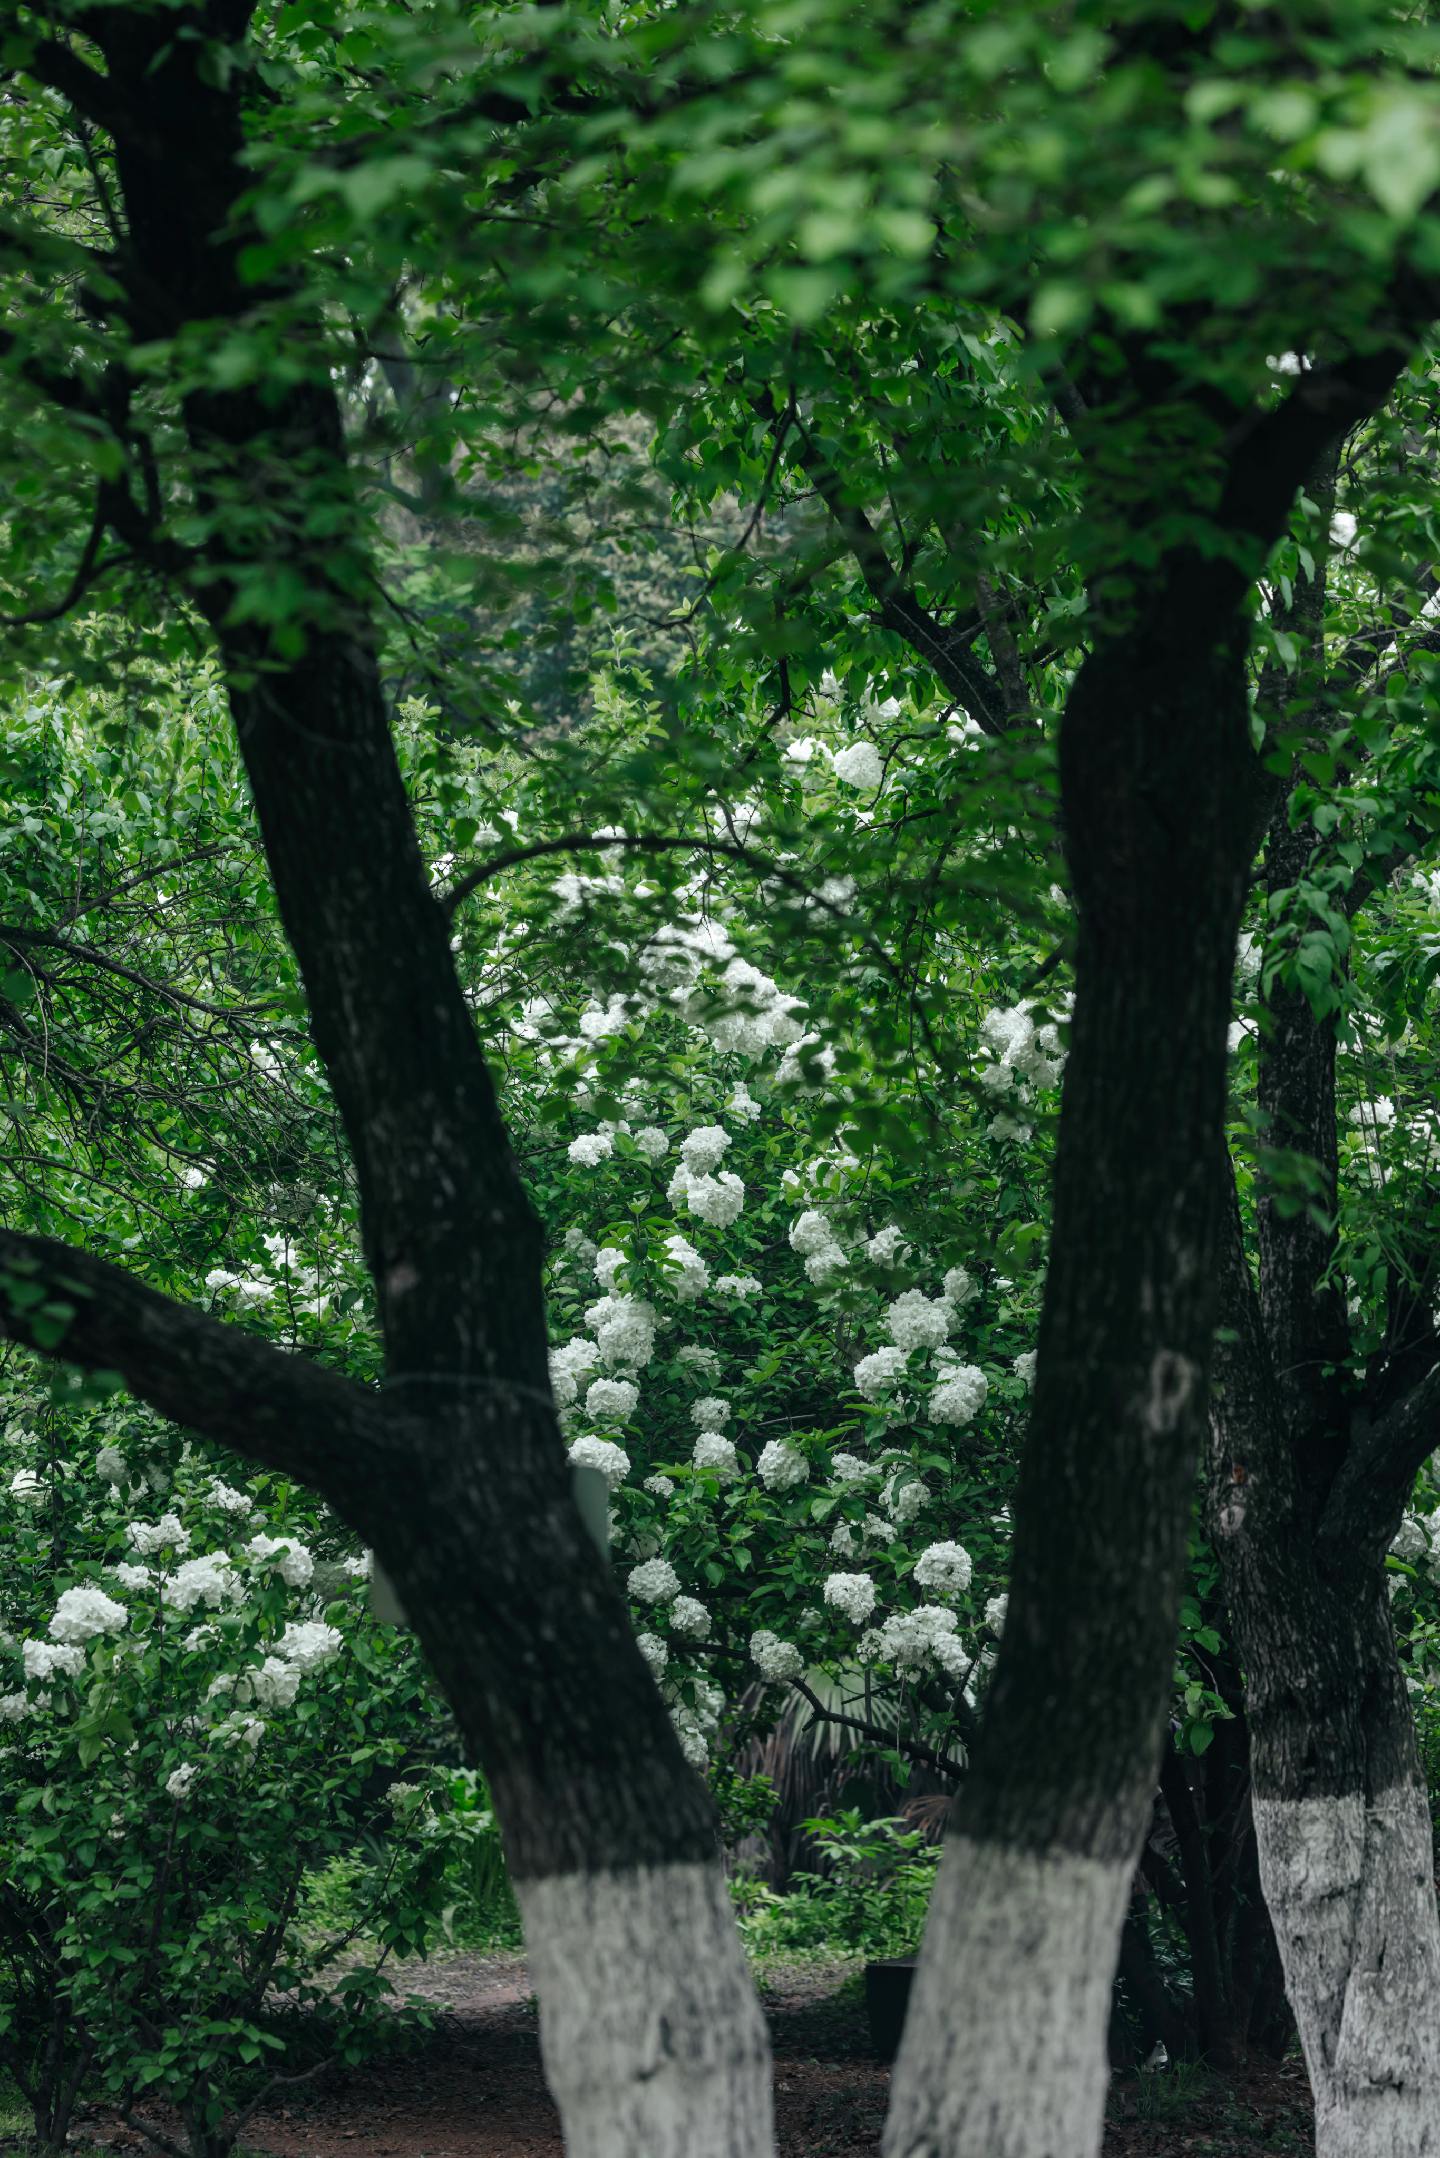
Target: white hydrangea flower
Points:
(178, 1782)
(905, 1494)
(590, 1150)
(13, 1706)
(227, 1500)
(710, 1413)
(781, 1467)
(1411, 1541)
(83, 1613)
(944, 1569)
(613, 1400)
(715, 1452)
(995, 1611)
(808, 1063)
(612, 1461)
(689, 1617)
(842, 1540)
(854, 1594)
(916, 1321)
(887, 1247)
(743, 1103)
(687, 1276)
(608, 1262)
(654, 1650)
(880, 1373)
(276, 1683)
(1011, 1128)
(209, 1580)
(959, 1286)
(703, 1149)
(656, 1582)
(878, 1529)
(131, 1577)
(925, 1635)
(293, 1561)
(660, 1487)
(850, 1469)
(960, 1395)
(803, 750)
(652, 1142)
(26, 1486)
(361, 1568)
(859, 766)
(239, 1730)
(110, 1465)
(309, 1643)
(1025, 1368)
(44, 1658)
(703, 1361)
(148, 1536)
(811, 1232)
(715, 1200)
(775, 1659)
(625, 1337)
(737, 1285)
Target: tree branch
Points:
(1369, 1493)
(892, 1741)
(279, 1408)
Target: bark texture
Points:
(652, 2036)
(1309, 1470)
(1016, 2065)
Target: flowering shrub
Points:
(195, 1715)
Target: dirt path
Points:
(472, 2087)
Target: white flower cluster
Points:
(83, 1613)
(718, 1200)
(1025, 1368)
(654, 1650)
(703, 1149)
(859, 766)
(568, 1365)
(687, 1274)
(309, 1643)
(148, 1536)
(613, 1400)
(813, 1239)
(612, 1461)
(716, 1453)
(209, 1579)
(850, 1469)
(880, 1374)
(943, 1569)
(781, 1467)
(697, 1722)
(905, 1494)
(44, 1658)
(913, 1638)
(227, 1500)
(110, 1465)
(652, 1142)
(656, 1582)
(293, 1561)
(1019, 1050)
(959, 1287)
(688, 1616)
(624, 1329)
(591, 1149)
(960, 1395)
(854, 1594)
(704, 1362)
(737, 1285)
(710, 1413)
(887, 1247)
(916, 1321)
(775, 1659)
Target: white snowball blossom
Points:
(590, 1150)
(293, 1561)
(689, 1617)
(715, 1452)
(655, 1582)
(652, 1142)
(736, 1285)
(916, 1637)
(995, 1611)
(654, 1650)
(26, 1486)
(960, 1395)
(698, 1359)
(612, 1461)
(178, 1782)
(209, 1580)
(44, 1658)
(309, 1643)
(878, 1374)
(916, 1321)
(1025, 1368)
(110, 1465)
(83, 1613)
(687, 1275)
(859, 766)
(773, 1658)
(703, 1149)
(660, 1487)
(944, 1569)
(710, 1413)
(716, 1200)
(959, 1286)
(781, 1467)
(887, 1247)
(614, 1400)
(148, 1536)
(854, 1594)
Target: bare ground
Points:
(472, 2088)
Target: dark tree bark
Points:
(1308, 1477)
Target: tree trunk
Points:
(1004, 2053)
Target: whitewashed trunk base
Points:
(650, 2030)
(1004, 2053)
(1351, 1893)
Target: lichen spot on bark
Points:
(1171, 1383)
(400, 1278)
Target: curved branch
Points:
(280, 1408)
(890, 1740)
